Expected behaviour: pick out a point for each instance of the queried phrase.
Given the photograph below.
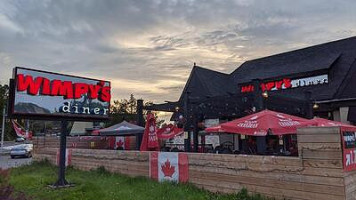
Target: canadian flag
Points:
(68, 157)
(119, 143)
(169, 166)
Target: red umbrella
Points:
(150, 139)
(214, 129)
(325, 122)
(258, 124)
(169, 131)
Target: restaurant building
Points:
(320, 78)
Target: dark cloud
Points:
(148, 47)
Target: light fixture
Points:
(177, 109)
(315, 106)
(253, 109)
(265, 94)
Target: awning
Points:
(122, 129)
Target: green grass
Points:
(99, 184)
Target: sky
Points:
(148, 47)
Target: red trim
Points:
(127, 143)
(154, 165)
(183, 167)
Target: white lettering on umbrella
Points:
(288, 123)
(248, 124)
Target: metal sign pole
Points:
(3, 127)
(61, 182)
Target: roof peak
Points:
(196, 67)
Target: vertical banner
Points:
(168, 166)
(149, 138)
(349, 149)
(348, 138)
(68, 157)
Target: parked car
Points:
(19, 139)
(24, 150)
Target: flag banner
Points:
(119, 143)
(122, 143)
(169, 166)
(68, 157)
(20, 131)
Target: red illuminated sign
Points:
(287, 83)
(40, 94)
(67, 89)
(268, 86)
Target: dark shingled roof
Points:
(334, 58)
(203, 82)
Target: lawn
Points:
(33, 181)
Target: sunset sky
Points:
(148, 47)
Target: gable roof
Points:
(204, 82)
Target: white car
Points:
(24, 150)
(19, 139)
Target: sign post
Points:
(41, 95)
(3, 127)
(62, 182)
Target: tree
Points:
(4, 95)
(124, 109)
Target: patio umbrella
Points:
(169, 132)
(259, 124)
(214, 129)
(327, 123)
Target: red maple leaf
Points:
(167, 169)
(119, 143)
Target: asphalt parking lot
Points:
(7, 162)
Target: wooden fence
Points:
(316, 174)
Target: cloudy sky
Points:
(148, 47)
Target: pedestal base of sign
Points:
(59, 186)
